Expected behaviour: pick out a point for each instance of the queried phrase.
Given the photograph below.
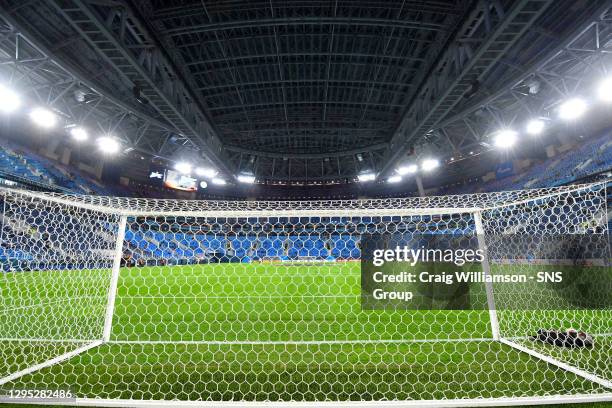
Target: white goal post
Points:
(135, 302)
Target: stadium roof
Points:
(304, 89)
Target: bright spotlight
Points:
(183, 167)
(366, 177)
(9, 101)
(246, 178)
(505, 138)
(108, 144)
(604, 92)
(218, 181)
(535, 126)
(572, 109)
(429, 164)
(411, 169)
(394, 179)
(78, 133)
(43, 117)
(206, 172)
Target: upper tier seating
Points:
(592, 157)
(26, 164)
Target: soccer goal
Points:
(134, 302)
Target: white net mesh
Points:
(260, 301)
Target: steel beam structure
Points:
(333, 168)
(304, 91)
(571, 69)
(294, 81)
(469, 72)
(125, 46)
(42, 78)
(485, 37)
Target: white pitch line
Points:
(241, 297)
(298, 342)
(42, 340)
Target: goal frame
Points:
(475, 212)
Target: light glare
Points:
(505, 139)
(394, 179)
(78, 133)
(572, 109)
(535, 126)
(411, 169)
(218, 181)
(366, 177)
(206, 172)
(9, 101)
(429, 164)
(108, 144)
(43, 117)
(183, 167)
(604, 92)
(246, 178)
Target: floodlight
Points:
(108, 144)
(43, 117)
(572, 109)
(366, 177)
(206, 172)
(505, 138)
(218, 181)
(78, 133)
(429, 164)
(183, 167)
(394, 179)
(604, 92)
(411, 169)
(535, 126)
(246, 178)
(9, 101)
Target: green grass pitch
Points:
(270, 332)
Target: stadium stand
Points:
(20, 163)
(592, 157)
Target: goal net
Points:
(134, 301)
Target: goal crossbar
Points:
(412, 206)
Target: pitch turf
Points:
(270, 332)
